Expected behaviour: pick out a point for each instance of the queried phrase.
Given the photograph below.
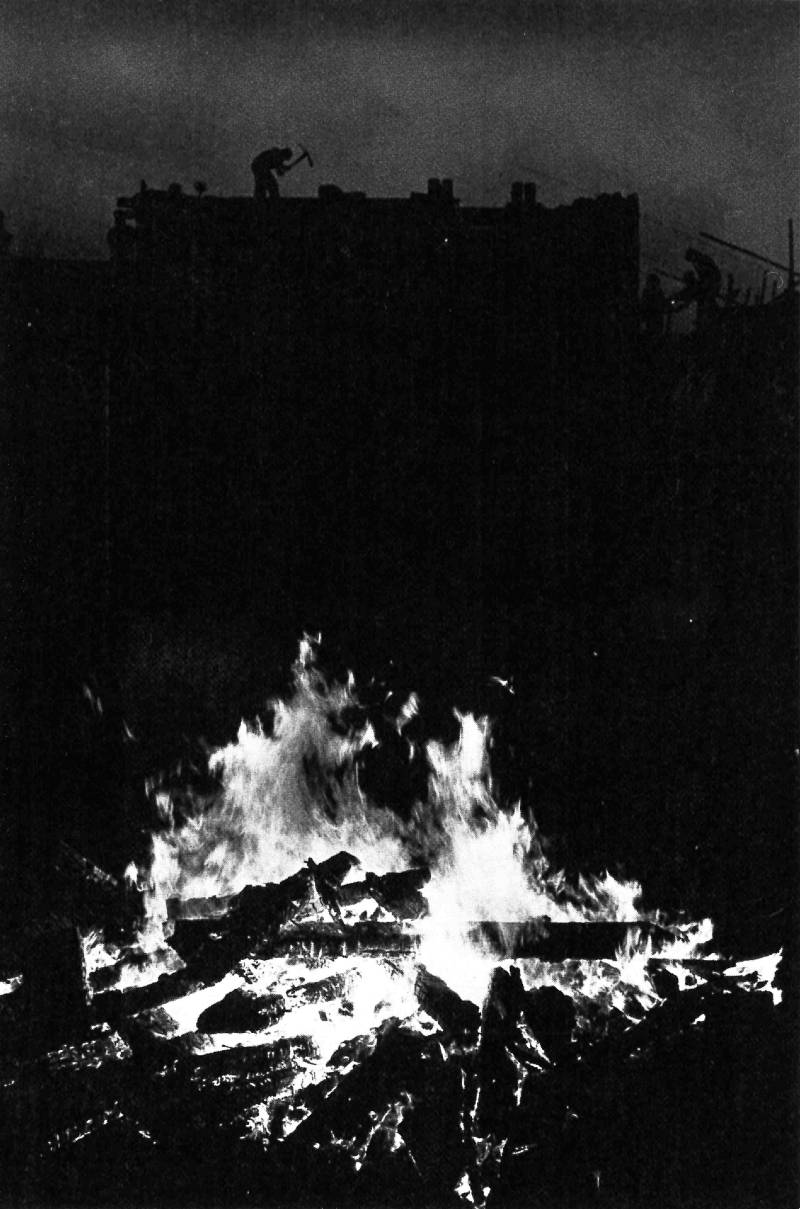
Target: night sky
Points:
(694, 106)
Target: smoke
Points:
(671, 101)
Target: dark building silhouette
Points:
(343, 364)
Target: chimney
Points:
(434, 187)
(530, 195)
(516, 193)
(447, 189)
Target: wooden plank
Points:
(458, 1018)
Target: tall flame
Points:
(291, 792)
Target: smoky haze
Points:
(694, 107)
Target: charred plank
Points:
(322, 990)
(336, 868)
(365, 936)
(550, 1014)
(459, 1019)
(59, 1092)
(401, 1061)
(115, 1006)
(548, 941)
(399, 893)
(433, 1130)
(242, 1010)
(328, 877)
(498, 1073)
(270, 1058)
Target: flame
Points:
(286, 794)
(760, 972)
(290, 791)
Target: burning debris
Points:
(306, 999)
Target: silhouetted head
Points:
(175, 190)
(286, 153)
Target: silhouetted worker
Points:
(5, 236)
(689, 293)
(709, 282)
(265, 167)
(653, 306)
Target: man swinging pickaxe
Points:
(276, 161)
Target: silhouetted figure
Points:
(689, 294)
(709, 282)
(653, 307)
(5, 236)
(265, 167)
(121, 238)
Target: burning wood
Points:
(399, 893)
(459, 1020)
(242, 1011)
(557, 941)
(399, 1053)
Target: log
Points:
(320, 991)
(498, 1073)
(155, 1048)
(458, 1018)
(433, 1130)
(401, 1061)
(271, 1058)
(106, 978)
(550, 1015)
(365, 936)
(48, 1100)
(252, 924)
(242, 1010)
(55, 988)
(556, 942)
(335, 869)
(115, 1006)
(399, 893)
(195, 909)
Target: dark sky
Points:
(695, 106)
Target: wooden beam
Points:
(745, 251)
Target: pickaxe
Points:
(304, 155)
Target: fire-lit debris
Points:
(449, 1101)
(242, 1011)
(458, 1020)
(343, 1034)
(399, 893)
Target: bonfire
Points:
(303, 996)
